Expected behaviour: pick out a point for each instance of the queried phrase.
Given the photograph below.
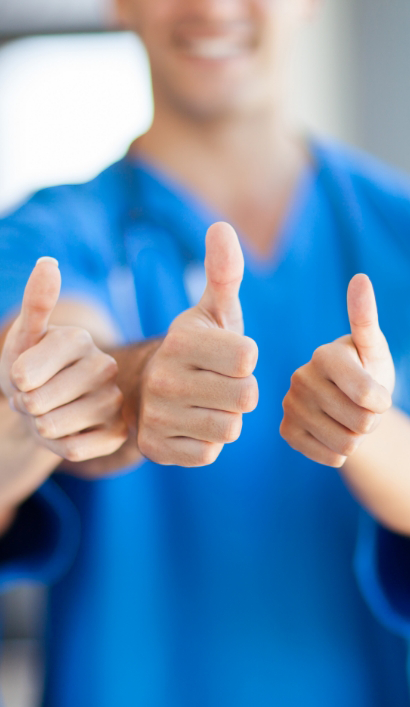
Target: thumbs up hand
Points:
(199, 382)
(337, 398)
(57, 378)
(40, 298)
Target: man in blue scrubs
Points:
(231, 583)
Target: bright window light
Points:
(69, 106)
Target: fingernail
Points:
(12, 405)
(47, 259)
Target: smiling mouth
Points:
(216, 45)
(215, 48)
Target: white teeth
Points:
(215, 48)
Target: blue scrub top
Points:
(231, 585)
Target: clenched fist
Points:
(337, 398)
(199, 382)
(58, 379)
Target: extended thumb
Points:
(364, 322)
(40, 297)
(224, 266)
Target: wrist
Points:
(26, 463)
(132, 363)
(378, 472)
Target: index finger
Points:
(217, 350)
(353, 380)
(61, 347)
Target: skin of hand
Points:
(337, 399)
(58, 380)
(199, 381)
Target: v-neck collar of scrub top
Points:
(170, 205)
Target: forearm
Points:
(25, 464)
(379, 472)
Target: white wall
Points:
(71, 104)
(324, 90)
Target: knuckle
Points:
(156, 380)
(79, 337)
(59, 336)
(321, 355)
(288, 404)
(288, 432)
(58, 333)
(298, 380)
(365, 422)
(33, 402)
(116, 443)
(284, 428)
(160, 383)
(246, 357)
(230, 430)
(384, 402)
(174, 343)
(248, 394)
(363, 392)
(115, 438)
(233, 430)
(72, 451)
(348, 445)
(152, 415)
(73, 455)
(335, 460)
(46, 427)
(21, 377)
(206, 455)
(109, 366)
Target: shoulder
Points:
(373, 201)
(379, 189)
(76, 224)
(67, 206)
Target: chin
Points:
(216, 100)
(224, 109)
(213, 109)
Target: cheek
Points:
(147, 16)
(153, 12)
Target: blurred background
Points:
(74, 92)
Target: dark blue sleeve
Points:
(43, 540)
(382, 565)
(382, 560)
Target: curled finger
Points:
(99, 442)
(89, 411)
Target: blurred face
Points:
(212, 58)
